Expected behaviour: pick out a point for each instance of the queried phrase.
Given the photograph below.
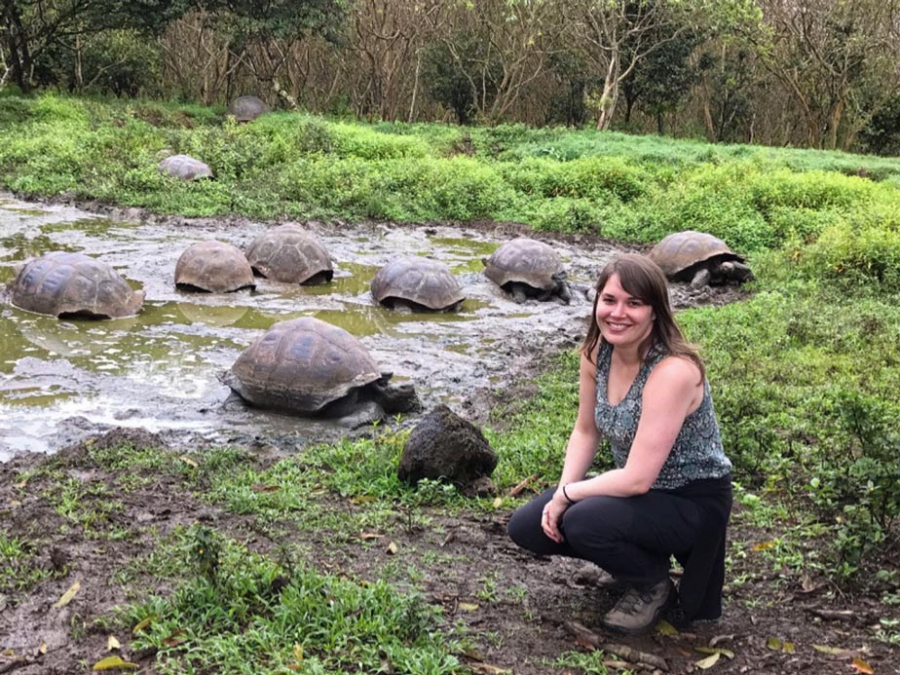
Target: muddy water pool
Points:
(61, 381)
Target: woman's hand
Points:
(552, 513)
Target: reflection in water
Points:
(211, 315)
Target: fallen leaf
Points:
(113, 662)
(14, 503)
(774, 644)
(143, 624)
(468, 607)
(720, 638)
(175, 639)
(21, 483)
(762, 546)
(498, 502)
(727, 653)
(370, 535)
(42, 649)
(67, 596)
(488, 669)
(362, 499)
(665, 628)
(788, 648)
(259, 487)
(8, 652)
(187, 460)
(298, 651)
(861, 666)
(392, 548)
(112, 644)
(709, 661)
(836, 651)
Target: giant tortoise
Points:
(184, 167)
(418, 283)
(68, 285)
(247, 108)
(699, 258)
(528, 268)
(290, 254)
(311, 368)
(213, 266)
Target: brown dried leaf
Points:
(370, 535)
(259, 487)
(112, 644)
(392, 548)
(861, 666)
(175, 639)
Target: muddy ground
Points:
(773, 623)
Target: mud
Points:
(61, 381)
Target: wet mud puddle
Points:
(61, 381)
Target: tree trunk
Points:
(610, 95)
(17, 41)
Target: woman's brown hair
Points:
(642, 278)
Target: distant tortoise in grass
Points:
(699, 258)
(311, 368)
(73, 285)
(417, 283)
(247, 108)
(214, 267)
(528, 268)
(184, 167)
(290, 254)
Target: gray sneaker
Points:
(640, 608)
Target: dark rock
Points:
(443, 446)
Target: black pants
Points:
(632, 538)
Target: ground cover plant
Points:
(242, 562)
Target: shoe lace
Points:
(633, 600)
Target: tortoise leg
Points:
(519, 294)
(701, 278)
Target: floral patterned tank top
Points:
(697, 452)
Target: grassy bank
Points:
(804, 373)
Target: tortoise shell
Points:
(64, 284)
(525, 261)
(247, 108)
(290, 254)
(184, 167)
(679, 254)
(213, 266)
(301, 366)
(424, 282)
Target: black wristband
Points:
(568, 498)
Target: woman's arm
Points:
(673, 390)
(580, 449)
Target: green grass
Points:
(249, 614)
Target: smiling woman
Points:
(643, 387)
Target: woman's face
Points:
(623, 319)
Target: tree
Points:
(261, 34)
(662, 78)
(31, 27)
(836, 59)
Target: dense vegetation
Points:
(804, 372)
(807, 73)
